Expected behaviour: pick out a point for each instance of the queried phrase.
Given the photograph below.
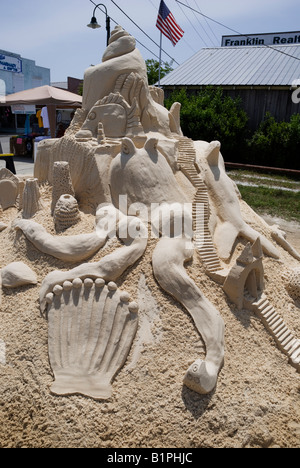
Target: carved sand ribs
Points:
(201, 212)
(273, 322)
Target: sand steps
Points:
(276, 326)
(201, 211)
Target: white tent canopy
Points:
(44, 96)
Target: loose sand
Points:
(255, 403)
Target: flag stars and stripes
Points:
(167, 24)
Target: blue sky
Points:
(54, 33)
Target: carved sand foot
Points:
(201, 376)
(168, 266)
(280, 237)
(91, 328)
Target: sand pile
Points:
(255, 403)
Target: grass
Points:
(264, 179)
(269, 200)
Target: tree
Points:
(153, 70)
(80, 89)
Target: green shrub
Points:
(276, 144)
(209, 115)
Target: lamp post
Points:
(94, 24)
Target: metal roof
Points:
(238, 66)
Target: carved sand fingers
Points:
(110, 267)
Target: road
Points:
(24, 165)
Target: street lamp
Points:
(94, 24)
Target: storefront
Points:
(17, 74)
(53, 109)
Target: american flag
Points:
(167, 24)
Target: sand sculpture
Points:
(91, 329)
(31, 198)
(17, 274)
(9, 189)
(125, 161)
(62, 183)
(292, 283)
(66, 212)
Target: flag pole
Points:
(160, 49)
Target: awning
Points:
(44, 96)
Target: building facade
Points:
(18, 74)
(266, 78)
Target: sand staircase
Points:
(276, 326)
(201, 212)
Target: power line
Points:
(237, 32)
(217, 39)
(116, 23)
(197, 32)
(153, 4)
(200, 24)
(143, 31)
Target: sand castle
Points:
(155, 196)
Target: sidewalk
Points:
(24, 165)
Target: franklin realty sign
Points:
(270, 39)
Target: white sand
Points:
(255, 403)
